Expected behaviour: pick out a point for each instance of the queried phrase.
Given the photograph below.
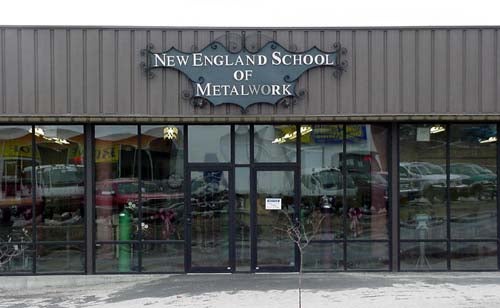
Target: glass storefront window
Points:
(116, 193)
(209, 143)
(422, 182)
(464, 184)
(242, 144)
(16, 206)
(275, 143)
(162, 175)
(60, 182)
(322, 181)
(242, 216)
(473, 178)
(366, 164)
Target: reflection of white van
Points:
(59, 183)
(327, 182)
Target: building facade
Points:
(115, 159)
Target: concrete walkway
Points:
(255, 290)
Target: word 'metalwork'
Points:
(244, 78)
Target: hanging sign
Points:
(244, 78)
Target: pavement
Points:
(479, 289)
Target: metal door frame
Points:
(188, 219)
(253, 218)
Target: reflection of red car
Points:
(117, 193)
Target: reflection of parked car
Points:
(117, 193)
(432, 180)
(365, 169)
(323, 187)
(410, 185)
(481, 181)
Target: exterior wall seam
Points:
(19, 72)
(480, 73)
(433, 70)
(385, 65)
(68, 70)
(84, 83)
(35, 71)
(370, 72)
(52, 75)
(116, 63)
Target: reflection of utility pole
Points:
(422, 234)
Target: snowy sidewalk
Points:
(263, 290)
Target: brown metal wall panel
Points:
(140, 80)
(329, 83)
(440, 72)
(347, 80)
(2, 71)
(27, 71)
(409, 75)
(92, 71)
(363, 81)
(497, 71)
(314, 87)
(44, 72)
(185, 41)
(60, 71)
(394, 69)
(108, 72)
(424, 62)
(12, 72)
(124, 71)
(77, 80)
(260, 38)
(377, 73)
(457, 64)
(155, 86)
(488, 69)
(173, 92)
(473, 103)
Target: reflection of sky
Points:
(115, 132)
(13, 132)
(59, 131)
(208, 142)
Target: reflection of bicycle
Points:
(12, 255)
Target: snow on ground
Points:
(397, 295)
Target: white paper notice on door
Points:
(273, 203)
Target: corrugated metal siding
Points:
(96, 72)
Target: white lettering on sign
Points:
(209, 89)
(273, 203)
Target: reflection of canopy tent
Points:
(264, 138)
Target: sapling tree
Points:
(298, 233)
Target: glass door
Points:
(209, 220)
(275, 211)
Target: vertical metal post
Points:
(139, 201)
(448, 203)
(34, 197)
(394, 194)
(496, 197)
(232, 204)
(297, 192)
(344, 194)
(89, 199)
(253, 205)
(187, 204)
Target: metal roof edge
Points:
(260, 28)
